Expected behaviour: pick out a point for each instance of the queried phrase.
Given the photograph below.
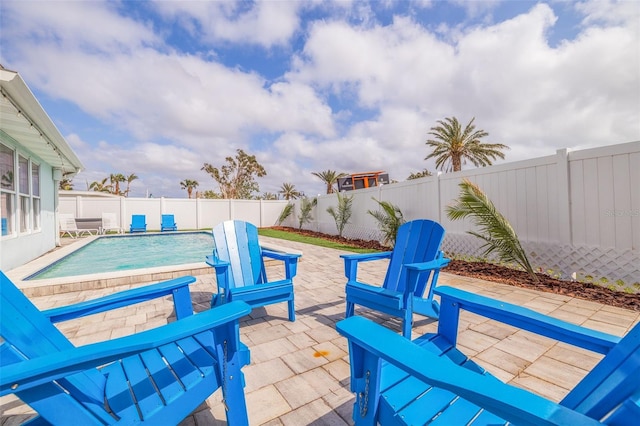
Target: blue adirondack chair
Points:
(168, 223)
(399, 382)
(158, 376)
(238, 260)
(414, 267)
(138, 223)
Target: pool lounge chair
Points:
(138, 223)
(431, 381)
(168, 223)
(110, 223)
(158, 376)
(68, 225)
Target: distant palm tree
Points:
(418, 175)
(129, 179)
(330, 178)
(452, 145)
(66, 183)
(289, 191)
(189, 185)
(100, 186)
(268, 196)
(116, 178)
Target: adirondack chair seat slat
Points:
(430, 381)
(384, 298)
(158, 376)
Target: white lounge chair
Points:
(68, 225)
(110, 223)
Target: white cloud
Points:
(265, 23)
(178, 109)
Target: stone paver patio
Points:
(299, 371)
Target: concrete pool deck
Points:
(299, 371)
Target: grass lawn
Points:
(292, 236)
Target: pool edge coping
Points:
(51, 286)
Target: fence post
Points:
(564, 197)
(439, 197)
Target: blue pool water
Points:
(121, 253)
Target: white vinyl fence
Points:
(577, 213)
(189, 214)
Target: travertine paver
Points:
(299, 372)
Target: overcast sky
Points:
(160, 88)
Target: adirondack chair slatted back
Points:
(613, 380)
(236, 242)
(28, 334)
(417, 241)
(168, 222)
(138, 223)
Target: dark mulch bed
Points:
(501, 274)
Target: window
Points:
(7, 189)
(20, 205)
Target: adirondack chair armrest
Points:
(370, 342)
(429, 266)
(287, 257)
(351, 261)
(30, 373)
(216, 263)
(178, 288)
(290, 261)
(452, 300)
(363, 257)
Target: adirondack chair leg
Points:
(228, 348)
(350, 309)
(407, 324)
(365, 370)
(292, 311)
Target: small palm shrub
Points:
(343, 213)
(286, 212)
(389, 220)
(495, 229)
(305, 211)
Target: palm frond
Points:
(493, 228)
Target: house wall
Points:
(576, 213)
(19, 248)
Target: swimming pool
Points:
(128, 252)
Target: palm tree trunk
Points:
(456, 163)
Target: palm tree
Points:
(289, 191)
(452, 145)
(189, 185)
(329, 177)
(129, 179)
(66, 183)
(100, 186)
(495, 229)
(116, 178)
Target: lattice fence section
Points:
(616, 269)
